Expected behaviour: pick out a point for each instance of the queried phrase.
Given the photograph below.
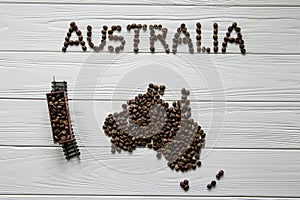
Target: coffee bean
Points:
(216, 43)
(234, 24)
(199, 163)
(198, 25)
(89, 28)
(64, 49)
(152, 49)
(119, 28)
(78, 32)
(224, 50)
(215, 37)
(135, 49)
(72, 24)
(69, 34)
(215, 25)
(221, 173)
(185, 181)
(182, 26)
(216, 49)
(230, 29)
(83, 48)
(186, 187)
(215, 31)
(209, 186)
(213, 183)
(208, 50)
(218, 176)
(243, 51)
(128, 27)
(237, 29)
(182, 184)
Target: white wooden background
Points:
(259, 143)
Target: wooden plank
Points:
(93, 197)
(43, 27)
(164, 2)
(45, 171)
(246, 125)
(108, 76)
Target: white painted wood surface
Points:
(248, 105)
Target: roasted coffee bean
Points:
(234, 24)
(213, 183)
(110, 32)
(182, 184)
(209, 186)
(89, 34)
(215, 25)
(208, 50)
(71, 42)
(231, 40)
(242, 46)
(136, 50)
(119, 28)
(67, 39)
(78, 32)
(198, 25)
(182, 25)
(215, 37)
(216, 49)
(83, 48)
(221, 173)
(128, 27)
(186, 187)
(224, 50)
(72, 24)
(216, 43)
(198, 31)
(133, 26)
(89, 28)
(76, 42)
(198, 37)
(199, 163)
(185, 181)
(218, 176)
(226, 39)
(215, 31)
(64, 49)
(230, 29)
(152, 49)
(66, 44)
(69, 34)
(228, 34)
(237, 29)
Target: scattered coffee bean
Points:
(208, 50)
(209, 186)
(213, 183)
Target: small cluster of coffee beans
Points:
(215, 37)
(103, 39)
(184, 185)
(238, 40)
(198, 36)
(186, 40)
(220, 174)
(147, 120)
(116, 38)
(68, 41)
(136, 40)
(211, 184)
(161, 37)
(214, 183)
(59, 117)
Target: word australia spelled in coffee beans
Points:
(156, 33)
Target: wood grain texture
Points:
(45, 171)
(246, 125)
(43, 27)
(93, 197)
(120, 77)
(289, 3)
